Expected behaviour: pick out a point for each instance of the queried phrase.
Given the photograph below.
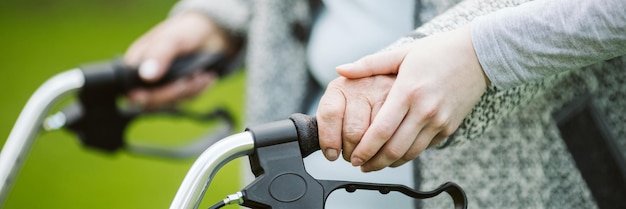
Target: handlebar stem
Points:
(203, 170)
(29, 123)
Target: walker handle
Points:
(106, 81)
(283, 182)
(117, 77)
(306, 127)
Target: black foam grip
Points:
(306, 126)
(117, 77)
(181, 66)
(101, 124)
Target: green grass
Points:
(41, 38)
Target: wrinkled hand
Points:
(346, 110)
(156, 50)
(439, 80)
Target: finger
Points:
(356, 120)
(381, 63)
(416, 149)
(156, 61)
(382, 128)
(133, 55)
(139, 97)
(398, 163)
(377, 103)
(183, 88)
(329, 115)
(438, 139)
(400, 143)
(197, 83)
(166, 95)
(135, 52)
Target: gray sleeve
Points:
(460, 14)
(232, 15)
(545, 37)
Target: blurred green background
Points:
(40, 38)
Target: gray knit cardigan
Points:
(508, 152)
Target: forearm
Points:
(545, 37)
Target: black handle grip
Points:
(117, 77)
(300, 127)
(182, 66)
(306, 126)
(283, 182)
(106, 81)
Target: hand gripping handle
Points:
(106, 81)
(282, 181)
(116, 77)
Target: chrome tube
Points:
(203, 170)
(29, 124)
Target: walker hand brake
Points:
(455, 191)
(282, 181)
(97, 119)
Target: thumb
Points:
(381, 63)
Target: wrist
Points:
(466, 44)
(215, 38)
(467, 30)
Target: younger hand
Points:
(439, 80)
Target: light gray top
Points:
(347, 30)
(524, 44)
(343, 32)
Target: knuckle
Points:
(414, 92)
(430, 113)
(328, 106)
(393, 154)
(328, 114)
(440, 122)
(382, 131)
(353, 133)
(447, 131)
(412, 154)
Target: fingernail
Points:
(356, 161)
(149, 69)
(331, 154)
(345, 66)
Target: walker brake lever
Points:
(455, 191)
(96, 117)
(282, 181)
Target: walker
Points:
(275, 149)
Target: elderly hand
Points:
(439, 80)
(155, 50)
(346, 110)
